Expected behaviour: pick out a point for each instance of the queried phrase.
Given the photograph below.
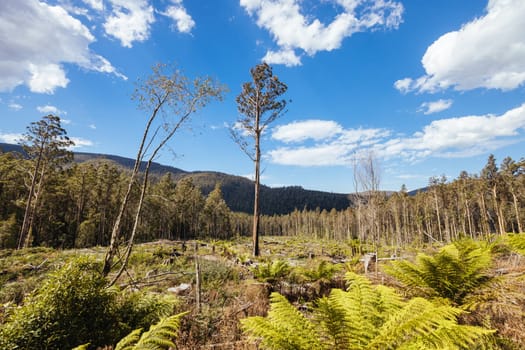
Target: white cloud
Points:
(48, 109)
(321, 155)
(15, 106)
(92, 126)
(446, 138)
(95, 4)
(436, 106)
(403, 85)
(293, 30)
(46, 78)
(309, 129)
(333, 145)
(178, 13)
(10, 137)
(37, 39)
(130, 21)
(285, 56)
(488, 52)
(80, 142)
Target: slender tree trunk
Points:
(115, 233)
(256, 211)
(438, 216)
(497, 210)
(517, 211)
(29, 207)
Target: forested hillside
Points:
(237, 191)
(77, 207)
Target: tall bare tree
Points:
(259, 104)
(45, 143)
(170, 99)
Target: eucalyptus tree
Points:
(46, 144)
(216, 215)
(259, 104)
(170, 99)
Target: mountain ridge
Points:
(238, 191)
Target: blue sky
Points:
(428, 87)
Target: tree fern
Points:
(271, 271)
(455, 271)
(363, 317)
(158, 337)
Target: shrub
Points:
(272, 271)
(72, 307)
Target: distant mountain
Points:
(237, 191)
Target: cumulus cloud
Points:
(457, 137)
(130, 21)
(294, 30)
(488, 52)
(177, 12)
(10, 137)
(333, 145)
(435, 106)
(308, 129)
(286, 57)
(460, 136)
(28, 55)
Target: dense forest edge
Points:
(237, 191)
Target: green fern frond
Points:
(284, 328)
(82, 347)
(457, 270)
(364, 317)
(159, 336)
(324, 271)
(129, 341)
(331, 320)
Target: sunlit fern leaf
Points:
(364, 317)
(429, 325)
(284, 328)
(82, 347)
(159, 336)
(129, 341)
(331, 321)
(454, 272)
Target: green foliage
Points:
(457, 270)
(73, 306)
(284, 327)
(272, 271)
(363, 317)
(8, 232)
(158, 337)
(324, 271)
(517, 242)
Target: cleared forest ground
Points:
(232, 285)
